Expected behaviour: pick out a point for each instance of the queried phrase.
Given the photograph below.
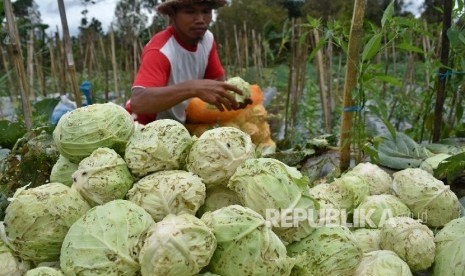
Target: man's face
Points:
(191, 22)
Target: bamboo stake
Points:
(442, 78)
(18, 60)
(40, 75)
(321, 83)
(246, 47)
(355, 38)
(69, 54)
(30, 64)
(105, 67)
(6, 66)
(113, 62)
(60, 64)
(238, 52)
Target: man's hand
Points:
(216, 93)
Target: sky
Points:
(103, 10)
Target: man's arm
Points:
(156, 99)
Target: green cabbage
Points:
(83, 130)
(10, 265)
(38, 219)
(450, 249)
(368, 239)
(377, 209)
(329, 250)
(106, 240)
(352, 189)
(246, 246)
(427, 197)
(412, 241)
(382, 263)
(157, 146)
(177, 245)
(102, 177)
(168, 192)
(44, 271)
(432, 163)
(265, 184)
(217, 198)
(243, 86)
(217, 153)
(379, 181)
(62, 171)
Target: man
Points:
(179, 63)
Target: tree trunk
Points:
(355, 39)
(442, 78)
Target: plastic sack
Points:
(64, 106)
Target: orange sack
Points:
(199, 112)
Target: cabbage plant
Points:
(102, 177)
(353, 190)
(38, 219)
(246, 245)
(329, 250)
(432, 163)
(267, 184)
(379, 181)
(427, 197)
(368, 239)
(106, 240)
(217, 153)
(85, 129)
(376, 209)
(62, 171)
(412, 241)
(157, 146)
(177, 245)
(168, 192)
(450, 249)
(381, 263)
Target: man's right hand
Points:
(216, 93)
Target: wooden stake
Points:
(113, 62)
(69, 54)
(30, 64)
(353, 59)
(18, 60)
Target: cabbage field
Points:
(109, 196)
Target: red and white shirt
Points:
(167, 61)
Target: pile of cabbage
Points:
(126, 199)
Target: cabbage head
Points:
(102, 177)
(376, 209)
(242, 85)
(168, 192)
(158, 146)
(246, 245)
(217, 198)
(38, 219)
(44, 271)
(368, 239)
(329, 250)
(85, 129)
(450, 249)
(10, 265)
(217, 153)
(382, 263)
(379, 181)
(264, 184)
(62, 171)
(177, 245)
(412, 241)
(106, 240)
(352, 190)
(427, 197)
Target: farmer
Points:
(179, 63)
